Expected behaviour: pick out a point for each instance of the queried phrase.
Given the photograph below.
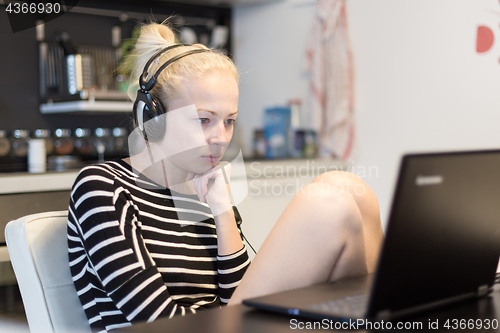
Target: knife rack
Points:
(97, 72)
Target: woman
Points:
(154, 235)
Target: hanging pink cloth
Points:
(330, 63)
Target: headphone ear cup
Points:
(154, 120)
(149, 116)
(139, 113)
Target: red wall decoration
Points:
(484, 39)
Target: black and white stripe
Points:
(132, 259)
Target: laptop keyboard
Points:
(352, 306)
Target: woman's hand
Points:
(212, 187)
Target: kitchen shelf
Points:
(86, 106)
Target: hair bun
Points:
(153, 37)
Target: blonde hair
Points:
(154, 37)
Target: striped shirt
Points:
(131, 257)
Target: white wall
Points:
(268, 46)
(420, 85)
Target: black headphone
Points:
(148, 108)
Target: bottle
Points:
(259, 144)
(103, 142)
(295, 134)
(310, 148)
(64, 143)
(49, 141)
(19, 143)
(37, 157)
(4, 143)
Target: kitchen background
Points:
(425, 80)
(420, 84)
(33, 62)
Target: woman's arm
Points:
(228, 236)
(232, 258)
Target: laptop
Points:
(442, 245)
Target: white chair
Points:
(38, 251)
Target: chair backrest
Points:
(38, 250)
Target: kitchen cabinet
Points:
(23, 194)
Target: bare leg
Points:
(331, 229)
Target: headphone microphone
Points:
(148, 109)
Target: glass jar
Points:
(259, 144)
(4, 143)
(83, 141)
(19, 143)
(310, 148)
(120, 135)
(63, 143)
(103, 140)
(49, 141)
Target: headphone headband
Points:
(151, 80)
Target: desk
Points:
(242, 319)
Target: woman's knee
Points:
(347, 183)
(343, 182)
(330, 207)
